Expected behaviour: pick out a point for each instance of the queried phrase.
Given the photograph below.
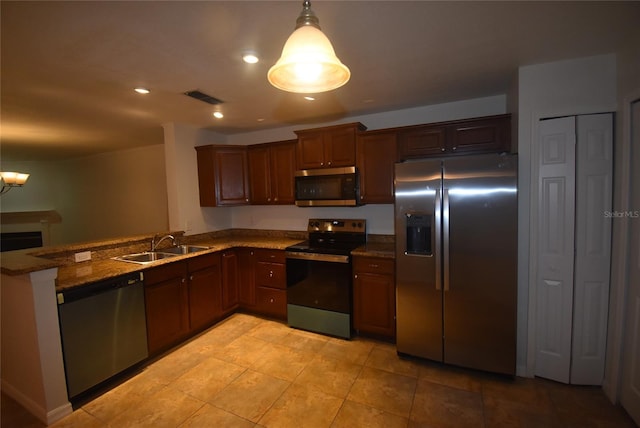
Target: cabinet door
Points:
(481, 135)
(167, 306)
(204, 291)
(206, 176)
(421, 141)
(374, 303)
(340, 147)
(283, 167)
(260, 175)
(232, 178)
(246, 275)
(376, 157)
(229, 281)
(310, 150)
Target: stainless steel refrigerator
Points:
(456, 260)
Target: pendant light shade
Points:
(308, 63)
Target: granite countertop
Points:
(102, 266)
(376, 249)
(86, 272)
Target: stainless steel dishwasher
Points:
(103, 329)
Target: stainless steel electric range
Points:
(319, 286)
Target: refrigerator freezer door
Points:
(418, 289)
(480, 301)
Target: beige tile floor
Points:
(251, 372)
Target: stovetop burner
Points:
(332, 236)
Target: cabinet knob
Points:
(454, 148)
(275, 199)
(329, 163)
(321, 163)
(184, 280)
(355, 276)
(191, 278)
(271, 300)
(270, 274)
(442, 149)
(268, 199)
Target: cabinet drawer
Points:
(271, 301)
(271, 275)
(271, 256)
(373, 265)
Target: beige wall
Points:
(103, 196)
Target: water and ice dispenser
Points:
(418, 229)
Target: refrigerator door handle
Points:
(438, 239)
(445, 232)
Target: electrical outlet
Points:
(83, 256)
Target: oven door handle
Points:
(316, 257)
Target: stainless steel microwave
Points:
(328, 187)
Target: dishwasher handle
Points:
(89, 290)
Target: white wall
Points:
(180, 141)
(628, 91)
(577, 86)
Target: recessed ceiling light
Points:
(142, 90)
(309, 98)
(218, 115)
(250, 58)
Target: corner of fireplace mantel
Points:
(22, 217)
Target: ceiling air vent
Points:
(203, 97)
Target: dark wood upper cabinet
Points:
(223, 177)
(491, 134)
(480, 135)
(376, 156)
(328, 147)
(271, 172)
(421, 141)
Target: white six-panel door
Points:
(594, 175)
(555, 232)
(573, 247)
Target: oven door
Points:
(319, 281)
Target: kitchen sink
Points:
(183, 249)
(153, 256)
(144, 258)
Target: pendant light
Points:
(308, 63)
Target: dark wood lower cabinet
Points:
(167, 305)
(182, 298)
(230, 281)
(204, 285)
(270, 282)
(374, 303)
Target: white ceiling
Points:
(69, 68)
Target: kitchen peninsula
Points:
(32, 361)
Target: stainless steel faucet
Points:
(155, 241)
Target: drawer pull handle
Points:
(373, 266)
(270, 274)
